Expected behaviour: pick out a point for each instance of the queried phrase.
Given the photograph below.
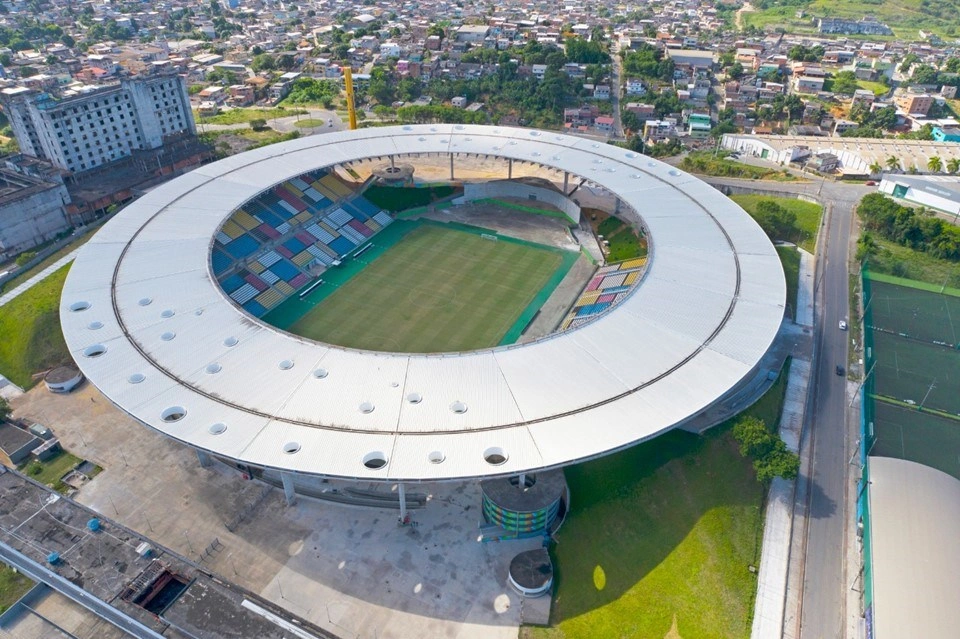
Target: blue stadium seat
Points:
(242, 246)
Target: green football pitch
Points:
(438, 289)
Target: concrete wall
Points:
(509, 188)
(32, 220)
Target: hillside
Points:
(905, 17)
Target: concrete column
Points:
(289, 494)
(451, 166)
(204, 458)
(616, 208)
(566, 182)
(509, 168)
(391, 162)
(403, 502)
(523, 481)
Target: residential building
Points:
(808, 84)
(914, 103)
(604, 124)
(699, 125)
(635, 86)
(863, 97)
(659, 130)
(601, 92)
(841, 126)
(89, 126)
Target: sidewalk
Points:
(8, 297)
(769, 607)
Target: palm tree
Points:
(875, 168)
(893, 163)
(935, 164)
(953, 165)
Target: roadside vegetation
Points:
(704, 163)
(790, 259)
(784, 218)
(231, 142)
(660, 539)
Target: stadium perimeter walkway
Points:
(768, 614)
(6, 298)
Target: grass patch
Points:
(808, 217)
(905, 17)
(878, 88)
(30, 336)
(50, 471)
(310, 123)
(790, 259)
(609, 226)
(893, 259)
(704, 163)
(394, 198)
(438, 289)
(625, 244)
(669, 528)
(242, 116)
(13, 585)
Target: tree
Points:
(777, 222)
(779, 462)
(263, 62)
(630, 121)
(953, 164)
(258, 124)
(893, 163)
(935, 164)
(735, 71)
(5, 410)
(845, 82)
(875, 168)
(866, 246)
(754, 438)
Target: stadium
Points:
(273, 311)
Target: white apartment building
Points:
(86, 127)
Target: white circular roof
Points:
(174, 352)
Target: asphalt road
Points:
(829, 437)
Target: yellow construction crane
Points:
(348, 85)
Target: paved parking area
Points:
(348, 569)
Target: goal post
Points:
(488, 236)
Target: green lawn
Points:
(393, 198)
(663, 532)
(790, 259)
(309, 123)
(808, 216)
(50, 471)
(241, 116)
(30, 337)
(878, 88)
(13, 585)
(625, 244)
(901, 261)
(438, 289)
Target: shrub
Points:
(25, 257)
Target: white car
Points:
(843, 325)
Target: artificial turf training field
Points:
(915, 362)
(439, 288)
